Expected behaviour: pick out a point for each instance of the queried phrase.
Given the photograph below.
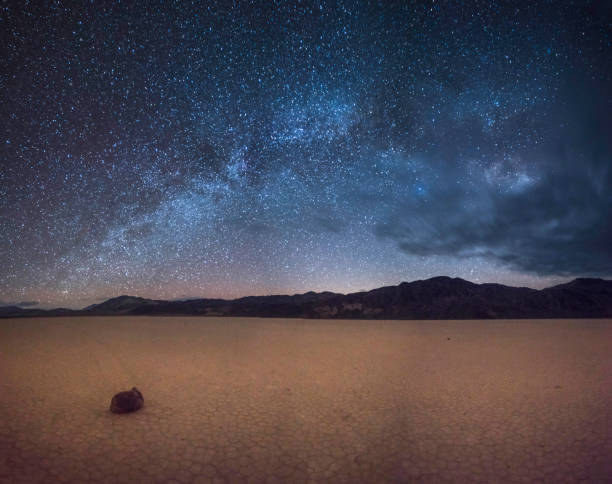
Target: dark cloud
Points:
(23, 304)
(550, 213)
(28, 304)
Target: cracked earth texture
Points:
(280, 400)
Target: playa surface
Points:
(279, 400)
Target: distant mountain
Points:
(10, 310)
(119, 305)
(436, 298)
(16, 311)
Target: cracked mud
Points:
(273, 400)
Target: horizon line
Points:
(195, 298)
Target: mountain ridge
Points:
(440, 297)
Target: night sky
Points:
(221, 149)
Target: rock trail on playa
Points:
(256, 400)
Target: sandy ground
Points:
(304, 400)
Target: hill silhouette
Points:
(436, 298)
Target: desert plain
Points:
(288, 400)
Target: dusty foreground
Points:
(298, 400)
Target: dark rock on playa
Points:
(124, 402)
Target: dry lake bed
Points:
(281, 400)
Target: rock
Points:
(125, 402)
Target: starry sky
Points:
(175, 149)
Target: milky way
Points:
(219, 149)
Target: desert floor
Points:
(238, 399)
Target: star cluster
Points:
(219, 149)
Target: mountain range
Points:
(436, 298)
